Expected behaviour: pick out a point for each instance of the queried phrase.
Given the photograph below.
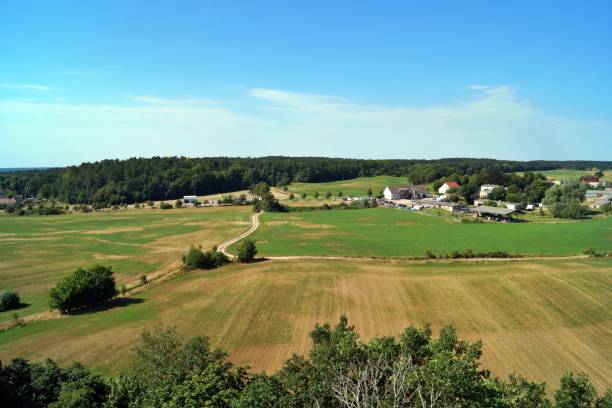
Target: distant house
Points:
(9, 198)
(592, 181)
(486, 190)
(447, 186)
(190, 199)
(407, 192)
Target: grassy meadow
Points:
(36, 251)
(385, 232)
(569, 174)
(353, 187)
(538, 318)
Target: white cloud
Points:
(492, 122)
(25, 87)
(299, 102)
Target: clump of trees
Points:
(246, 251)
(165, 206)
(195, 258)
(468, 254)
(85, 287)
(565, 201)
(413, 370)
(9, 300)
(37, 385)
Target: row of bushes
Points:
(195, 258)
(467, 254)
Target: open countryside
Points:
(36, 251)
(239, 204)
(384, 232)
(262, 313)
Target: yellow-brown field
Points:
(538, 318)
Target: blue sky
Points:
(84, 81)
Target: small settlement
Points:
(416, 197)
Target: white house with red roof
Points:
(447, 186)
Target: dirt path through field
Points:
(255, 224)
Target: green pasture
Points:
(36, 251)
(570, 174)
(385, 232)
(353, 187)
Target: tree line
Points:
(114, 182)
(415, 369)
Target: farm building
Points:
(592, 181)
(593, 194)
(407, 192)
(190, 199)
(447, 186)
(9, 198)
(493, 213)
(514, 206)
(486, 190)
(600, 202)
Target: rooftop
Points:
(483, 209)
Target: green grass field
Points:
(352, 187)
(37, 251)
(384, 232)
(538, 318)
(567, 174)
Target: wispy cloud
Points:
(25, 87)
(300, 102)
(492, 121)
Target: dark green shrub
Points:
(9, 299)
(85, 287)
(195, 258)
(246, 251)
(165, 206)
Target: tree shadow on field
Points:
(111, 304)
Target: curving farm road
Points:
(254, 225)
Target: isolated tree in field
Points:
(247, 251)
(316, 194)
(260, 189)
(291, 196)
(339, 194)
(85, 287)
(9, 300)
(178, 203)
(328, 194)
(165, 206)
(599, 173)
(369, 192)
(304, 195)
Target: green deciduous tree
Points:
(246, 251)
(9, 299)
(85, 287)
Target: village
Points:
(418, 197)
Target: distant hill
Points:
(14, 169)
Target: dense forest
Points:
(111, 182)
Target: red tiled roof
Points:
(452, 184)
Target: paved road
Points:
(255, 224)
